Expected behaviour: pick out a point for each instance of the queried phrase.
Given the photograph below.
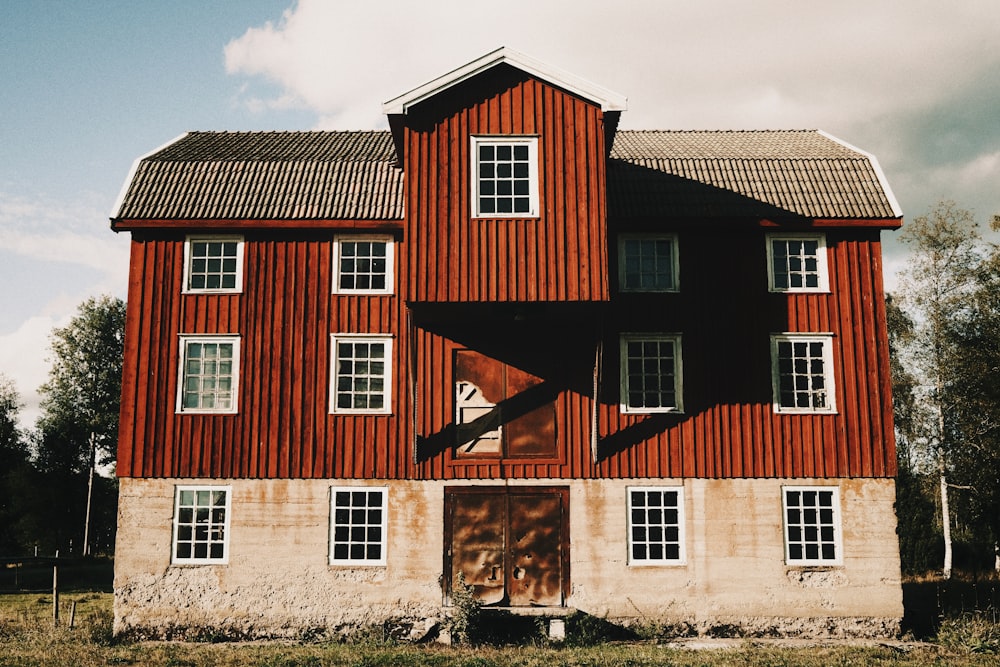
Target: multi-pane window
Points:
(213, 264)
(209, 374)
(651, 373)
(797, 263)
(360, 373)
(802, 378)
(812, 525)
(505, 176)
(363, 265)
(656, 525)
(201, 524)
(358, 525)
(647, 263)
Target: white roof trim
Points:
(120, 200)
(608, 100)
(878, 171)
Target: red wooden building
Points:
(640, 374)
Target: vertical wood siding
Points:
(560, 255)
(286, 313)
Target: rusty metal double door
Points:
(511, 544)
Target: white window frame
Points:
(226, 524)
(822, 271)
(674, 265)
(389, 263)
(828, 375)
(531, 142)
(382, 526)
(185, 340)
(627, 338)
(680, 525)
(385, 339)
(189, 259)
(835, 524)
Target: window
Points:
(209, 374)
(651, 373)
(360, 374)
(363, 265)
(802, 378)
(505, 177)
(357, 525)
(647, 263)
(201, 524)
(797, 263)
(213, 264)
(656, 525)
(812, 525)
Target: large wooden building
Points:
(638, 374)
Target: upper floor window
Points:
(201, 524)
(213, 264)
(797, 263)
(505, 177)
(647, 263)
(209, 373)
(363, 265)
(812, 525)
(360, 373)
(651, 373)
(802, 373)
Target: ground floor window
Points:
(812, 525)
(656, 525)
(358, 525)
(201, 524)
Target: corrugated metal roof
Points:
(775, 174)
(267, 176)
(353, 176)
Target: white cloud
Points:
(24, 356)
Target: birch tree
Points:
(936, 288)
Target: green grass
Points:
(27, 639)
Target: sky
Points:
(88, 86)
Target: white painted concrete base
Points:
(278, 583)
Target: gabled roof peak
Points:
(608, 100)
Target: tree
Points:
(935, 289)
(14, 464)
(977, 410)
(78, 428)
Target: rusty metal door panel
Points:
(510, 543)
(477, 544)
(535, 538)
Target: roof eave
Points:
(606, 99)
(883, 181)
(116, 209)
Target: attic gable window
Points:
(802, 373)
(213, 264)
(647, 263)
(797, 263)
(363, 265)
(505, 177)
(651, 373)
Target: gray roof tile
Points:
(353, 176)
(268, 176)
(773, 174)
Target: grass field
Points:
(28, 638)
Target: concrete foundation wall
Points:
(278, 582)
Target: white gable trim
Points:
(608, 100)
(120, 200)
